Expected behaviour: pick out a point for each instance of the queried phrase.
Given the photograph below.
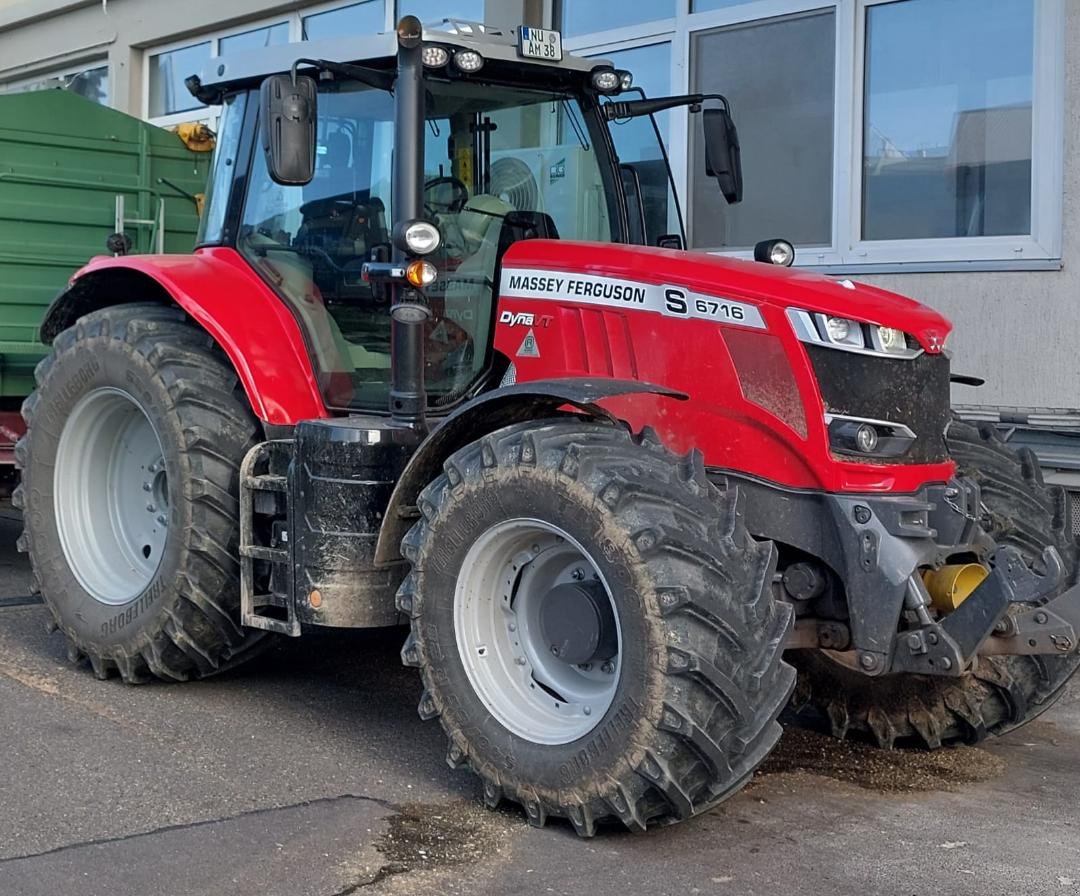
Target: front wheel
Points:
(594, 627)
(130, 478)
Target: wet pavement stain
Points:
(885, 771)
(427, 836)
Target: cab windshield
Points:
(501, 163)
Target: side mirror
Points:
(722, 158)
(288, 119)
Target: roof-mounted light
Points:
(468, 61)
(435, 57)
(605, 80)
(626, 79)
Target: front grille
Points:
(913, 392)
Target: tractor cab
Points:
(437, 148)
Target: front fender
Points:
(485, 414)
(218, 290)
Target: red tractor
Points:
(439, 358)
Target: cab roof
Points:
(378, 51)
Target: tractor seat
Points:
(526, 225)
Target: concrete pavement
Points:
(309, 772)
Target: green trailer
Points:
(72, 174)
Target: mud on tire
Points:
(185, 622)
(701, 680)
(1001, 692)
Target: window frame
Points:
(1039, 250)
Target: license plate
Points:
(539, 43)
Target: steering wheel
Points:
(327, 206)
(459, 195)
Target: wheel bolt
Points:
(162, 519)
(513, 626)
(554, 650)
(146, 486)
(608, 667)
(578, 574)
(587, 710)
(520, 661)
(151, 507)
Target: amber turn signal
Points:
(421, 274)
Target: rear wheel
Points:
(594, 627)
(1001, 692)
(129, 494)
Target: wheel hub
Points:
(577, 620)
(537, 631)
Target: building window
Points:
(168, 95)
(92, 83)
(880, 134)
(947, 142)
(358, 18)
(270, 36)
(635, 139)
(167, 99)
(431, 11)
(579, 17)
(779, 76)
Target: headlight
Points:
(841, 331)
(779, 252)
(833, 331)
(422, 238)
(889, 340)
(468, 60)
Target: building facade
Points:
(928, 146)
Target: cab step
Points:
(261, 607)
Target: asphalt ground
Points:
(309, 772)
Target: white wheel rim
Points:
(532, 693)
(111, 496)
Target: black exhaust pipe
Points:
(408, 312)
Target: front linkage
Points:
(983, 623)
(880, 545)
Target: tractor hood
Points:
(753, 282)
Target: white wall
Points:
(1018, 330)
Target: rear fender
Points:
(485, 414)
(220, 292)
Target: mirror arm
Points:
(372, 77)
(635, 108)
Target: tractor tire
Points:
(594, 627)
(129, 493)
(1001, 692)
